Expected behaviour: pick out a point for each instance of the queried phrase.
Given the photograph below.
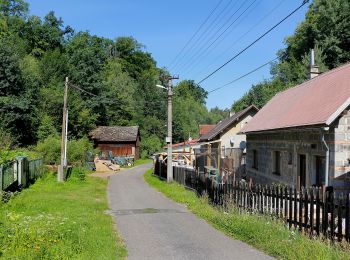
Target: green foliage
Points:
(326, 28)
(50, 149)
(37, 54)
(260, 231)
(46, 128)
(53, 220)
(77, 150)
(149, 146)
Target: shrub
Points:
(50, 148)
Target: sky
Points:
(164, 28)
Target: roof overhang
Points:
(335, 115)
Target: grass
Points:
(260, 231)
(53, 220)
(139, 162)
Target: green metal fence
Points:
(20, 173)
(35, 169)
(8, 175)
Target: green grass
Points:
(53, 220)
(139, 162)
(262, 232)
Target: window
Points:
(255, 159)
(277, 162)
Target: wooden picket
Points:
(312, 211)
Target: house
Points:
(222, 148)
(121, 140)
(224, 135)
(301, 137)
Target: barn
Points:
(121, 140)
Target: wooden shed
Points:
(121, 140)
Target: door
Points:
(302, 170)
(320, 170)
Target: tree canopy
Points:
(117, 76)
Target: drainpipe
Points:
(327, 156)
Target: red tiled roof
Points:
(203, 129)
(318, 101)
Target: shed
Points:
(121, 140)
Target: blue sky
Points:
(165, 26)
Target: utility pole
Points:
(60, 174)
(169, 139)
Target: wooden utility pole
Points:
(169, 139)
(60, 174)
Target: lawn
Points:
(262, 232)
(53, 220)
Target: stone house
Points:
(120, 140)
(301, 137)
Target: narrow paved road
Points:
(155, 227)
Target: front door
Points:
(302, 170)
(320, 170)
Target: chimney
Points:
(314, 72)
(232, 113)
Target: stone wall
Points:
(289, 144)
(305, 141)
(340, 153)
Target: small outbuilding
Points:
(120, 140)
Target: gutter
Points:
(327, 156)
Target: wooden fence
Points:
(312, 211)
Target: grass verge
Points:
(262, 232)
(53, 220)
(139, 162)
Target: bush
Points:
(149, 146)
(50, 148)
(77, 150)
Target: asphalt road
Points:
(155, 227)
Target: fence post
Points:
(340, 218)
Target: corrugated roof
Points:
(318, 101)
(115, 133)
(225, 123)
(203, 129)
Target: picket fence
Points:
(313, 211)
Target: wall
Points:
(340, 152)
(291, 143)
(302, 141)
(231, 133)
(118, 149)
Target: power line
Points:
(194, 35)
(111, 101)
(205, 31)
(244, 34)
(250, 45)
(243, 76)
(205, 51)
(211, 34)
